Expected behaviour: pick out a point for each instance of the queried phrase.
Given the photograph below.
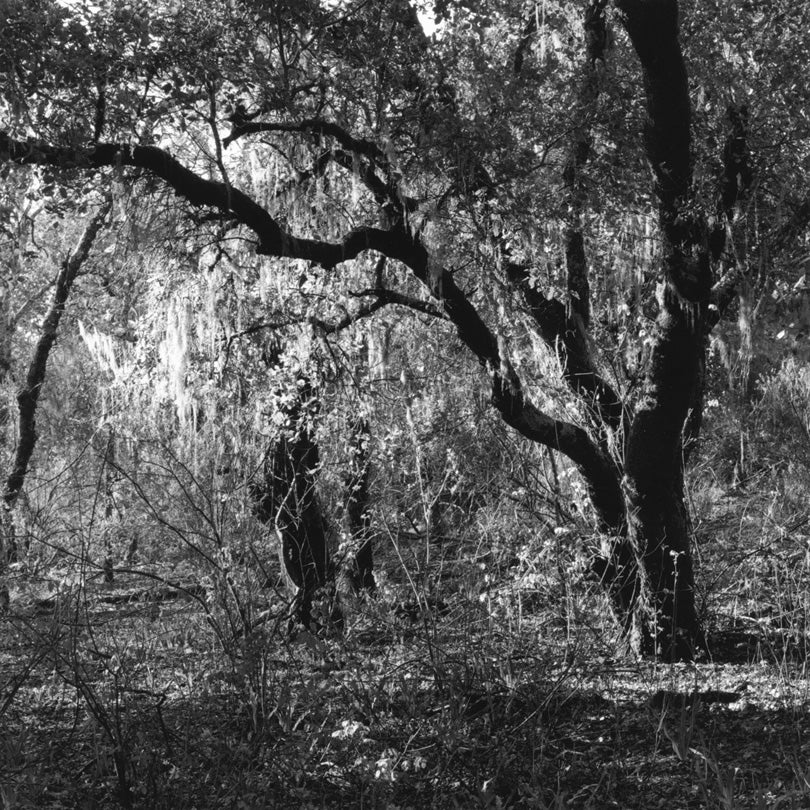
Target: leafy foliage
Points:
(395, 211)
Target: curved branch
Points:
(273, 239)
(28, 396)
(563, 335)
(597, 469)
(383, 298)
(348, 318)
(392, 297)
(509, 399)
(197, 190)
(313, 126)
(397, 243)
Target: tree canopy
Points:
(577, 193)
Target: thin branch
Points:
(212, 122)
(27, 304)
(564, 336)
(348, 318)
(383, 193)
(28, 396)
(399, 299)
(315, 126)
(382, 298)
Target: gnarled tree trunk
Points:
(286, 499)
(655, 482)
(655, 458)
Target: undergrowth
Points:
(476, 677)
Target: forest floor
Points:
(136, 704)
(508, 688)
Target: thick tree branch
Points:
(509, 399)
(597, 469)
(398, 243)
(273, 240)
(565, 337)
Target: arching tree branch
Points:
(314, 126)
(564, 336)
(273, 239)
(397, 243)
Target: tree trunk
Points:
(655, 482)
(298, 521)
(28, 396)
(286, 499)
(29, 393)
(8, 545)
(654, 461)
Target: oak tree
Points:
(499, 164)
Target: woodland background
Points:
(418, 264)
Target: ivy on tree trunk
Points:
(286, 498)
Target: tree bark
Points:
(28, 396)
(655, 483)
(8, 546)
(654, 462)
(286, 499)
